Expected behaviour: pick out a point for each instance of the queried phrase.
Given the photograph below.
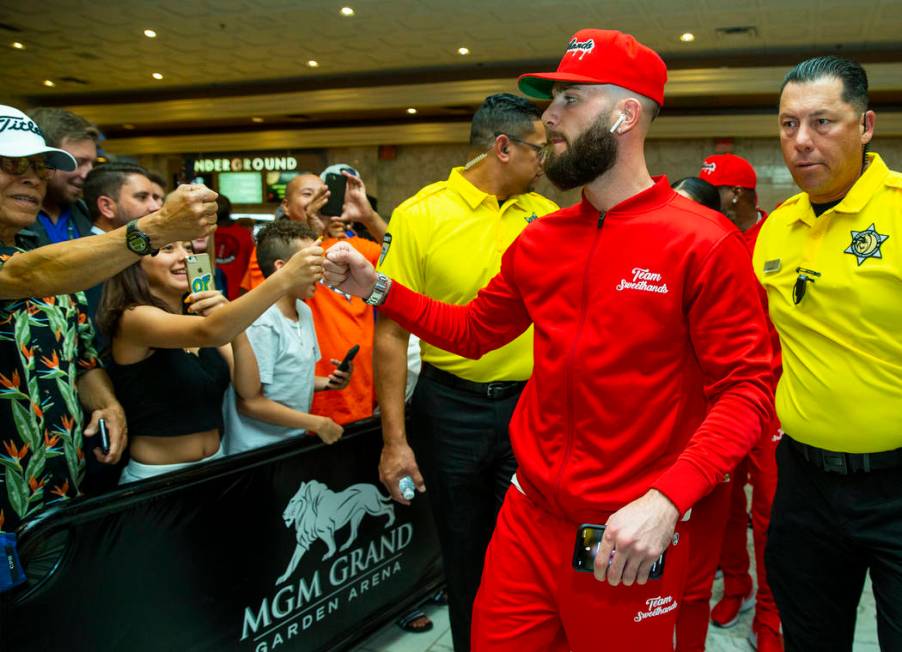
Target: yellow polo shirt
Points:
(841, 388)
(446, 242)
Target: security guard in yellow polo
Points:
(447, 242)
(830, 259)
(833, 285)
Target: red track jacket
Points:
(652, 361)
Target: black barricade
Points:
(292, 547)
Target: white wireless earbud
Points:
(617, 123)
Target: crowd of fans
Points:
(99, 322)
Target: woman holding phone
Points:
(170, 370)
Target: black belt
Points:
(846, 463)
(495, 390)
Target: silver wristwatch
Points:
(383, 285)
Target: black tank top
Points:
(172, 392)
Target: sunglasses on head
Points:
(17, 166)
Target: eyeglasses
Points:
(19, 166)
(538, 149)
(805, 277)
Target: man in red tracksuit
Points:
(721, 518)
(651, 377)
(736, 180)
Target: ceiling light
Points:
(347, 11)
(411, 111)
(463, 51)
(17, 45)
(256, 119)
(687, 37)
(157, 75)
(49, 83)
(313, 63)
(149, 33)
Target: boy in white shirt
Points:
(285, 346)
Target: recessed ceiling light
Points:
(411, 111)
(149, 33)
(313, 63)
(128, 126)
(687, 37)
(157, 75)
(49, 83)
(463, 51)
(17, 45)
(256, 119)
(347, 11)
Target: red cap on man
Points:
(602, 56)
(728, 170)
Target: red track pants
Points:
(706, 530)
(718, 530)
(531, 599)
(761, 470)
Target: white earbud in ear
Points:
(617, 123)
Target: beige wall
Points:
(418, 165)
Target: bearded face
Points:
(593, 153)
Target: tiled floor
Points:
(392, 639)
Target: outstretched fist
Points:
(345, 268)
(189, 213)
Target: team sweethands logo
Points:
(581, 48)
(866, 244)
(316, 512)
(644, 280)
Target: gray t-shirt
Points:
(287, 352)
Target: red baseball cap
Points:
(728, 170)
(603, 56)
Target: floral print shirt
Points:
(45, 343)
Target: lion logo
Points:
(316, 512)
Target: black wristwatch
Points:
(138, 241)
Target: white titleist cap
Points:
(20, 136)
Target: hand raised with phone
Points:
(312, 210)
(356, 206)
(202, 303)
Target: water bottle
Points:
(408, 489)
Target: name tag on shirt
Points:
(772, 266)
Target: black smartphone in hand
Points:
(346, 362)
(104, 437)
(588, 542)
(337, 184)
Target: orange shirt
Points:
(341, 321)
(253, 276)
